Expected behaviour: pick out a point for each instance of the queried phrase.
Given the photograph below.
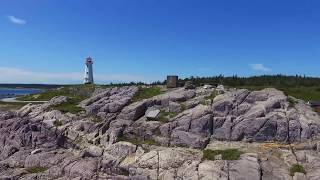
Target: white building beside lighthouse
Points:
(88, 77)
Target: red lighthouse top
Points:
(89, 60)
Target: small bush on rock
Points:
(297, 168)
(228, 154)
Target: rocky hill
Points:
(179, 134)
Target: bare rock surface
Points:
(162, 137)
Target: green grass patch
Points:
(70, 106)
(145, 93)
(75, 94)
(138, 142)
(183, 107)
(304, 93)
(6, 106)
(36, 169)
(227, 154)
(297, 168)
(165, 116)
(75, 91)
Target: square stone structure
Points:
(172, 81)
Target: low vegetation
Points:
(75, 95)
(70, 106)
(317, 110)
(96, 119)
(292, 102)
(301, 87)
(165, 116)
(297, 168)
(138, 142)
(212, 95)
(183, 107)
(76, 91)
(11, 105)
(146, 92)
(304, 93)
(227, 154)
(36, 169)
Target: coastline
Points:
(13, 100)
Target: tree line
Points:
(265, 80)
(236, 81)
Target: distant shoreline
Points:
(31, 86)
(14, 100)
(17, 92)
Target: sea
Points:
(13, 92)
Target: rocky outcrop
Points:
(109, 101)
(161, 137)
(191, 128)
(262, 116)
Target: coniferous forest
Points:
(302, 87)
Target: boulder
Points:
(174, 107)
(93, 151)
(134, 111)
(36, 151)
(85, 168)
(153, 114)
(247, 167)
(213, 170)
(109, 100)
(119, 151)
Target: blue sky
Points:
(47, 41)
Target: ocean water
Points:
(10, 92)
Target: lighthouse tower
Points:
(88, 77)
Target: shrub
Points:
(297, 168)
(227, 154)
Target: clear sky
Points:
(46, 41)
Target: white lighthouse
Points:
(88, 77)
